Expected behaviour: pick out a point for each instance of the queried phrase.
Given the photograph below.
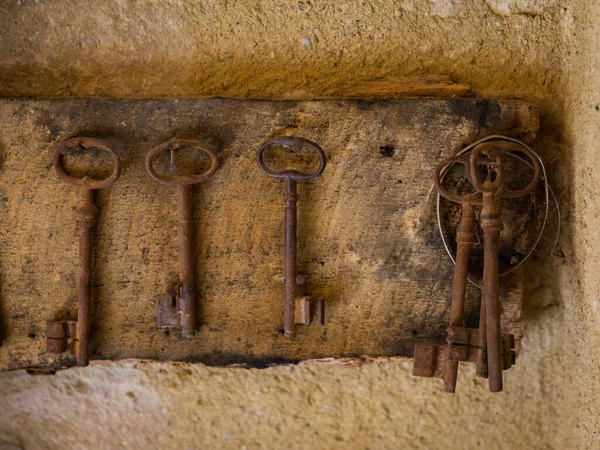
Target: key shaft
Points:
(465, 238)
(186, 261)
(86, 219)
(290, 254)
(491, 224)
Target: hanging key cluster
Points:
(485, 346)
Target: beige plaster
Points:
(545, 51)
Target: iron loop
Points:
(86, 182)
(466, 199)
(181, 144)
(297, 144)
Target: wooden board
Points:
(368, 241)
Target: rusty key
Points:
(297, 310)
(86, 218)
(465, 238)
(180, 309)
(493, 190)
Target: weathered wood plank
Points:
(367, 236)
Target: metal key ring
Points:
(181, 144)
(86, 182)
(297, 144)
(466, 199)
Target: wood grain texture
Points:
(367, 238)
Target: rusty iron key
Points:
(493, 190)
(485, 346)
(297, 310)
(178, 310)
(465, 239)
(63, 335)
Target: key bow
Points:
(86, 182)
(296, 144)
(175, 178)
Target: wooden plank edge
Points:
(355, 362)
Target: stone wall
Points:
(543, 50)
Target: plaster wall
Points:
(543, 50)
(582, 116)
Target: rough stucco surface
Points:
(275, 49)
(583, 319)
(538, 50)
